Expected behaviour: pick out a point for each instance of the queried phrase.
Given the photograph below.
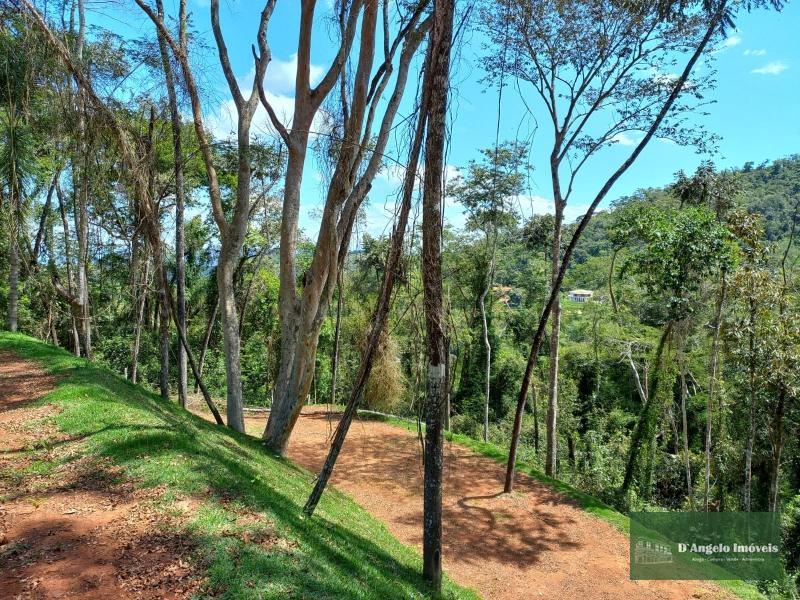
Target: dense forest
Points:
(665, 371)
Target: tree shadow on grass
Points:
(193, 456)
(160, 444)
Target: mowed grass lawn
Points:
(341, 553)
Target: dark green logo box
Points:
(713, 545)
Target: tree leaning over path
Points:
(379, 317)
(612, 66)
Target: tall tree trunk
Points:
(551, 459)
(712, 386)
(231, 341)
(81, 192)
(337, 329)
(437, 75)
(551, 456)
(140, 297)
(13, 264)
(751, 434)
(777, 448)
(180, 264)
(534, 401)
(448, 378)
(76, 339)
(163, 334)
(684, 394)
(82, 235)
(488, 365)
(148, 210)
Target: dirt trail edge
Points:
(70, 525)
(534, 543)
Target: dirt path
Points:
(534, 543)
(71, 527)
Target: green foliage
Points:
(678, 249)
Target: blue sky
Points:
(755, 108)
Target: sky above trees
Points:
(754, 111)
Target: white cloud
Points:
(754, 52)
(539, 205)
(451, 173)
(281, 74)
(279, 84)
(776, 67)
(730, 42)
(624, 139)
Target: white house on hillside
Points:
(581, 295)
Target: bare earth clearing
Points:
(78, 531)
(534, 543)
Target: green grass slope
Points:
(341, 553)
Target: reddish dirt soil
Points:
(534, 543)
(80, 531)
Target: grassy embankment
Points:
(341, 553)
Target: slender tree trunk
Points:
(81, 192)
(337, 328)
(148, 212)
(163, 332)
(751, 435)
(53, 330)
(140, 297)
(180, 264)
(82, 230)
(684, 393)
(76, 339)
(212, 317)
(777, 448)
(448, 381)
(488, 365)
(13, 264)
(611, 281)
(551, 460)
(712, 386)
(437, 75)
(231, 340)
(535, 402)
(551, 457)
